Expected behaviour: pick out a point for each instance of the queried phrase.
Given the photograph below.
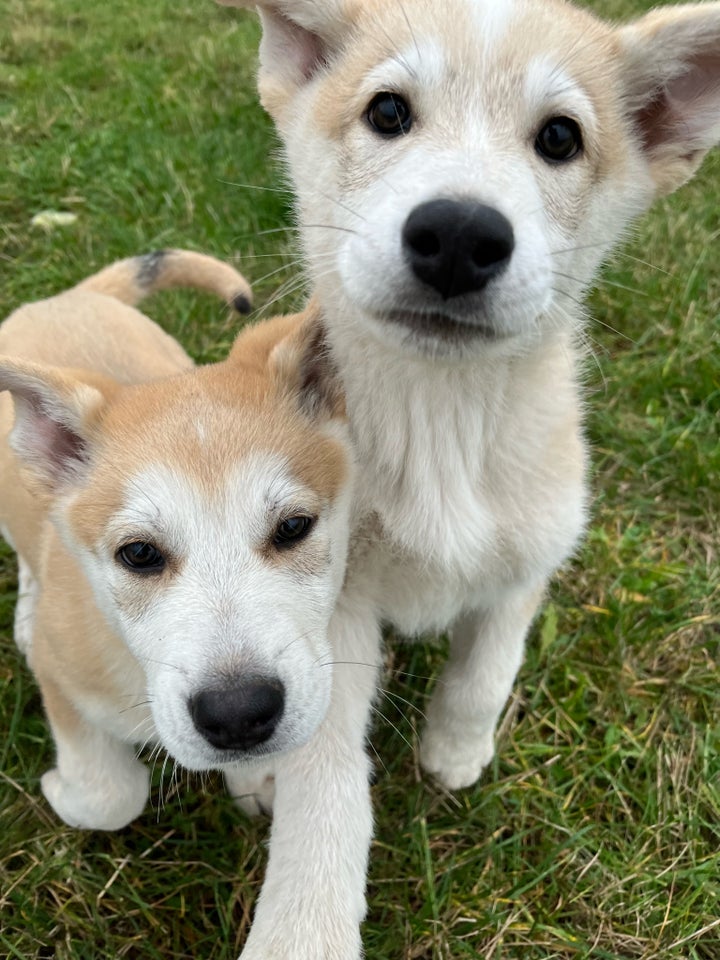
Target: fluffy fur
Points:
(464, 405)
(122, 450)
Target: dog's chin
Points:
(440, 327)
(436, 335)
(201, 760)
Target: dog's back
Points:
(94, 326)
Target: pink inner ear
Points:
(655, 121)
(45, 443)
(290, 44)
(687, 110)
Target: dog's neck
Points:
(423, 427)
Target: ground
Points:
(595, 832)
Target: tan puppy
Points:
(183, 541)
(462, 168)
(108, 337)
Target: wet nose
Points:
(457, 246)
(238, 716)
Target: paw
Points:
(456, 762)
(252, 790)
(88, 807)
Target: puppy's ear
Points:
(54, 418)
(671, 65)
(301, 363)
(299, 37)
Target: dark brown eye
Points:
(389, 114)
(560, 139)
(141, 557)
(291, 530)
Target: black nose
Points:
(240, 716)
(457, 246)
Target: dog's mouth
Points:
(205, 757)
(439, 326)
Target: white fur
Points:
(229, 611)
(472, 461)
(492, 19)
(27, 594)
(407, 65)
(203, 466)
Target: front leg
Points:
(27, 597)
(486, 651)
(313, 897)
(98, 784)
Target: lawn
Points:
(596, 832)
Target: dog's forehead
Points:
(229, 500)
(228, 447)
(484, 47)
(487, 25)
(175, 503)
(209, 421)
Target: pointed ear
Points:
(302, 364)
(672, 86)
(54, 416)
(299, 37)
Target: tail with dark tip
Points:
(131, 280)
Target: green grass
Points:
(595, 834)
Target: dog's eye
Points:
(560, 139)
(141, 556)
(291, 530)
(389, 114)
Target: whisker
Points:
(163, 796)
(412, 72)
(285, 290)
(343, 205)
(144, 745)
(266, 233)
(602, 281)
(272, 273)
(644, 263)
(387, 720)
(388, 694)
(286, 191)
(134, 706)
(377, 755)
(348, 663)
(327, 226)
(164, 663)
(143, 721)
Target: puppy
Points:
(462, 169)
(181, 532)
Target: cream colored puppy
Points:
(182, 535)
(462, 169)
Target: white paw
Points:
(252, 790)
(90, 808)
(455, 761)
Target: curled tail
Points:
(137, 277)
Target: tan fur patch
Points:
(241, 406)
(66, 659)
(157, 409)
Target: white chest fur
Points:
(475, 472)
